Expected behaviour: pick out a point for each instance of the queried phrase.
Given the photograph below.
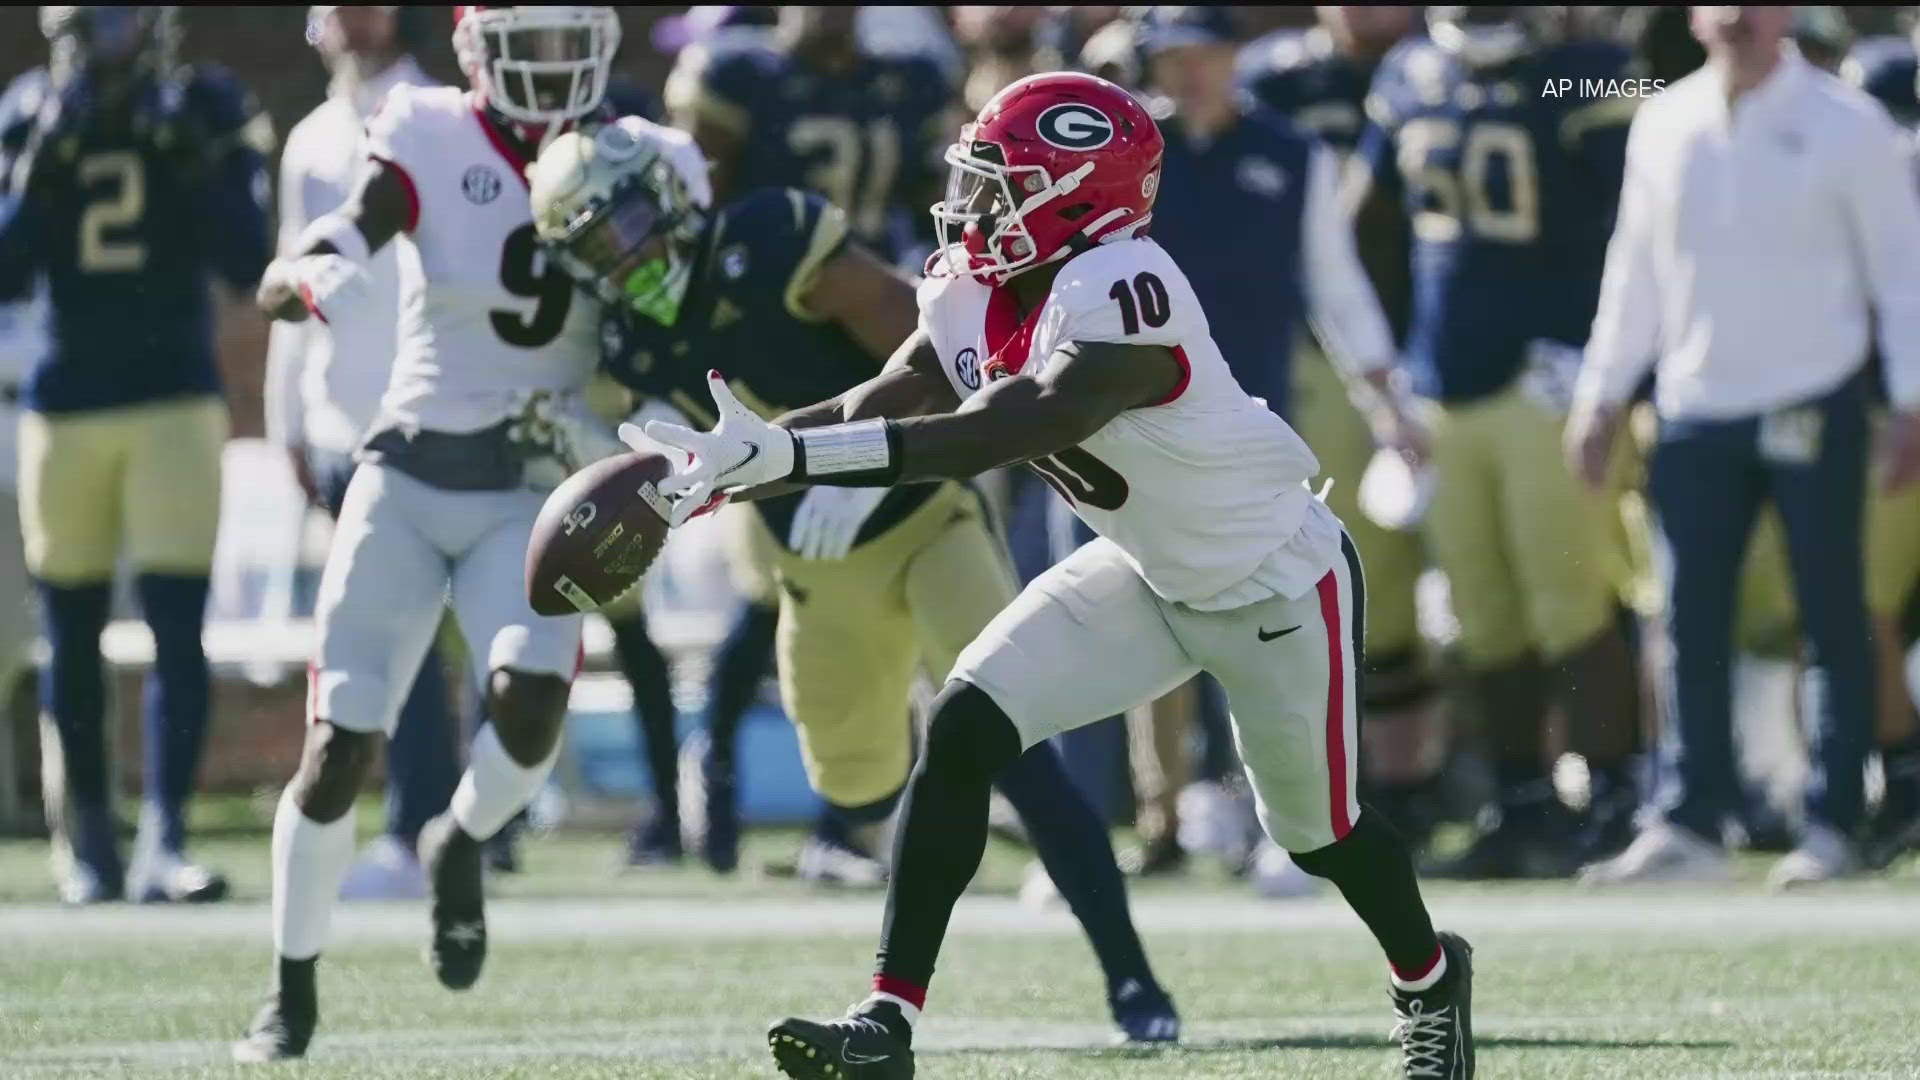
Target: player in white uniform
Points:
(1073, 344)
(477, 425)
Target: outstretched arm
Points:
(382, 206)
(1083, 386)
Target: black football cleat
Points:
(860, 1046)
(1143, 1013)
(284, 1025)
(1435, 1026)
(453, 862)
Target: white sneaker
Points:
(1664, 853)
(386, 870)
(1823, 855)
(1217, 821)
(1037, 890)
(1276, 877)
(159, 876)
(831, 864)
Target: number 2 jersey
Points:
(1509, 178)
(1206, 491)
(485, 318)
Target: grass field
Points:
(596, 976)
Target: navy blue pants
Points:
(423, 756)
(1708, 481)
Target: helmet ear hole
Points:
(1077, 211)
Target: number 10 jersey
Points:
(485, 318)
(1205, 492)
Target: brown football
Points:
(597, 535)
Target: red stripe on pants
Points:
(1329, 589)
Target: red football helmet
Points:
(537, 65)
(1054, 164)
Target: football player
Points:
(323, 389)
(129, 180)
(871, 581)
(480, 420)
(813, 111)
(1507, 192)
(1056, 335)
(1318, 79)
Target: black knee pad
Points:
(968, 732)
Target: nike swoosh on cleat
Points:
(852, 1058)
(1264, 636)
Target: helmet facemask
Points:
(636, 246)
(988, 203)
(540, 65)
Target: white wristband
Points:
(862, 446)
(337, 230)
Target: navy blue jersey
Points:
(1885, 66)
(1300, 75)
(1229, 212)
(867, 138)
(745, 315)
(125, 221)
(1509, 180)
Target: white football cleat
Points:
(387, 869)
(1662, 853)
(1822, 855)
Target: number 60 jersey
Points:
(484, 317)
(1205, 491)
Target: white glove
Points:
(829, 518)
(742, 451)
(330, 284)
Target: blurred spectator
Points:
(324, 382)
(1662, 42)
(1004, 44)
(1823, 35)
(1318, 78)
(812, 109)
(1747, 283)
(1251, 207)
(1882, 60)
(1507, 192)
(130, 181)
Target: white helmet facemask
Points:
(539, 65)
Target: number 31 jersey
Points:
(484, 316)
(1205, 491)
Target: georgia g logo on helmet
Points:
(1075, 126)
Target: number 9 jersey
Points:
(1509, 177)
(1205, 492)
(484, 317)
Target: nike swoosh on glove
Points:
(742, 451)
(829, 518)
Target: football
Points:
(597, 534)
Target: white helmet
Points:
(622, 211)
(537, 65)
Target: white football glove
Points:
(741, 451)
(330, 284)
(828, 519)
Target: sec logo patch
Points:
(481, 185)
(967, 367)
(1075, 126)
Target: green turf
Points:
(1639, 996)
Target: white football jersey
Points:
(484, 318)
(1205, 492)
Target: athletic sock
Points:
(1424, 978)
(943, 828)
(309, 860)
(175, 702)
(495, 787)
(1078, 854)
(647, 675)
(74, 691)
(1371, 869)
